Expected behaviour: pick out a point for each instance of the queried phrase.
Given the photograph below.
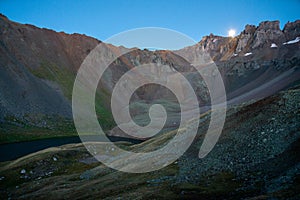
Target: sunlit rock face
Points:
(245, 36)
(267, 32)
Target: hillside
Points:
(38, 68)
(257, 157)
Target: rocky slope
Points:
(257, 157)
(38, 68)
(253, 58)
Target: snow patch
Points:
(248, 54)
(292, 41)
(273, 45)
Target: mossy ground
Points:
(66, 181)
(21, 132)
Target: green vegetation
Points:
(42, 171)
(65, 78)
(59, 74)
(13, 133)
(104, 115)
(68, 172)
(42, 165)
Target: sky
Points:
(103, 19)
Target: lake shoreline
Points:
(12, 151)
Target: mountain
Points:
(39, 66)
(256, 157)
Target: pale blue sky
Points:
(102, 19)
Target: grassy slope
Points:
(74, 179)
(67, 180)
(65, 79)
(16, 131)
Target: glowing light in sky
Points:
(231, 33)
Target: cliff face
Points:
(38, 67)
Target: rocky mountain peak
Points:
(269, 25)
(292, 29)
(3, 16)
(266, 32)
(264, 36)
(249, 29)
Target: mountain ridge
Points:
(256, 156)
(48, 62)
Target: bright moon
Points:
(231, 33)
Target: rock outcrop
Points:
(291, 30)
